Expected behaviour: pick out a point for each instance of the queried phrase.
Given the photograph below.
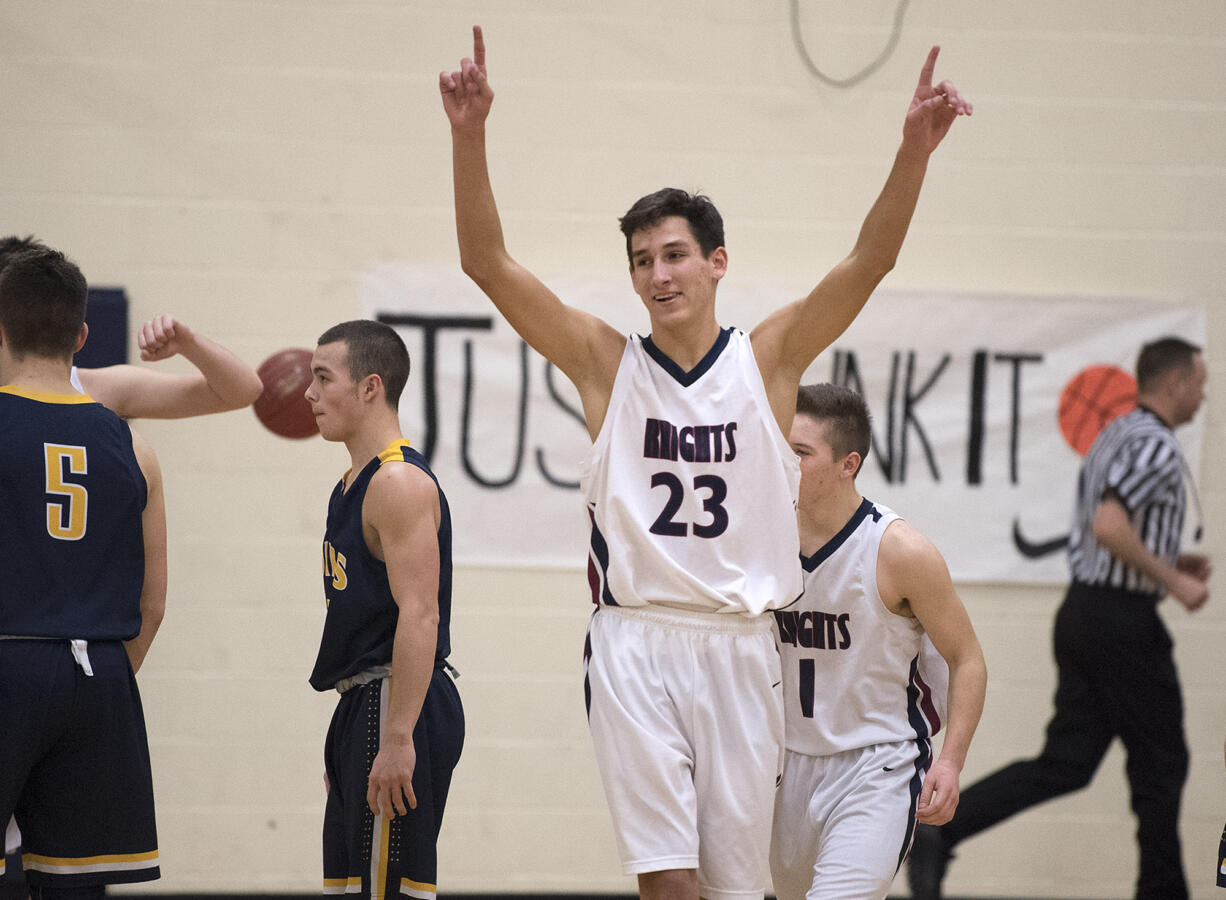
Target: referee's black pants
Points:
(1116, 678)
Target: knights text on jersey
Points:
(851, 668)
(691, 487)
(361, 620)
(72, 495)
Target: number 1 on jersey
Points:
(66, 518)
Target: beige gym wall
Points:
(240, 164)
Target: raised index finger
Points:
(478, 47)
(925, 79)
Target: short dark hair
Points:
(706, 224)
(1161, 356)
(42, 303)
(846, 413)
(12, 245)
(374, 348)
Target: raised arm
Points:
(222, 382)
(153, 526)
(585, 348)
(913, 577)
(787, 341)
(400, 518)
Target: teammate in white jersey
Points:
(688, 425)
(858, 679)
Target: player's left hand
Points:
(389, 791)
(161, 338)
(939, 796)
(933, 109)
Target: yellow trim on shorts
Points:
(418, 889)
(343, 885)
(385, 835)
(35, 860)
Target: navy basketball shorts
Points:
(366, 855)
(74, 765)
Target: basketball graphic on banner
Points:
(1092, 398)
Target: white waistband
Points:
(366, 676)
(694, 620)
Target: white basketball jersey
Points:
(852, 672)
(691, 487)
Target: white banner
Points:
(965, 392)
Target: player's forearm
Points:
(478, 226)
(234, 383)
(412, 668)
(968, 682)
(885, 227)
(138, 647)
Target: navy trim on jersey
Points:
(862, 512)
(598, 567)
(685, 379)
(923, 759)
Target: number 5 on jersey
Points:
(66, 518)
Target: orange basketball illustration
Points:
(1091, 399)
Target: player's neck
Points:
(821, 522)
(372, 440)
(39, 374)
(687, 346)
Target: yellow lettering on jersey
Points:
(334, 567)
(66, 518)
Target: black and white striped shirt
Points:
(1137, 460)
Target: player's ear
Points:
(371, 387)
(81, 337)
(851, 464)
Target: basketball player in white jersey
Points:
(691, 488)
(860, 676)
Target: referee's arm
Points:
(1114, 530)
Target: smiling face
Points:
(670, 274)
(333, 394)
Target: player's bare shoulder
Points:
(400, 491)
(909, 565)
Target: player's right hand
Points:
(161, 338)
(389, 791)
(467, 95)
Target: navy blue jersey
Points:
(71, 498)
(361, 621)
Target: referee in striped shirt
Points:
(1116, 670)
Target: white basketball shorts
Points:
(843, 823)
(686, 713)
